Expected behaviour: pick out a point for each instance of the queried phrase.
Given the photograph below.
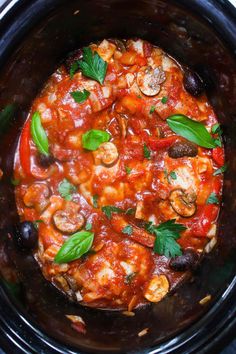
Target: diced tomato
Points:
(201, 224)
(218, 156)
(24, 149)
(156, 144)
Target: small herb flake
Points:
(166, 235)
(95, 201)
(88, 226)
(80, 96)
(36, 223)
(220, 170)
(146, 152)
(128, 230)
(128, 170)
(66, 189)
(93, 66)
(173, 175)
(15, 181)
(152, 109)
(212, 199)
(129, 278)
(216, 129)
(164, 100)
(109, 209)
(74, 68)
(130, 211)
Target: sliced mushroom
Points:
(157, 288)
(68, 220)
(106, 153)
(181, 149)
(183, 203)
(187, 261)
(149, 80)
(37, 195)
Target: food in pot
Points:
(120, 168)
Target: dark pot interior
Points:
(36, 36)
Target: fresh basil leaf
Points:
(88, 226)
(166, 235)
(95, 201)
(128, 170)
(109, 209)
(39, 135)
(146, 152)
(220, 170)
(130, 211)
(212, 199)
(66, 189)
(74, 247)
(93, 65)
(127, 230)
(152, 109)
(74, 67)
(164, 100)
(191, 130)
(93, 138)
(80, 96)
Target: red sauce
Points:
(122, 271)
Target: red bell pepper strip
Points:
(24, 149)
(156, 144)
(218, 156)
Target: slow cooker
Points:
(35, 37)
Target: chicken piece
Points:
(157, 288)
(149, 80)
(68, 220)
(37, 196)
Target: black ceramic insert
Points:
(35, 37)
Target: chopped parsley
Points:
(80, 96)
(152, 109)
(128, 170)
(164, 99)
(129, 278)
(92, 65)
(166, 235)
(220, 170)
(88, 226)
(95, 201)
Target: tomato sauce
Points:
(134, 173)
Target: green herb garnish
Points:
(15, 181)
(191, 130)
(146, 152)
(74, 67)
(66, 189)
(93, 138)
(74, 247)
(166, 235)
(130, 211)
(39, 135)
(128, 230)
(164, 99)
(80, 96)
(212, 199)
(173, 175)
(95, 201)
(152, 109)
(88, 226)
(93, 65)
(129, 278)
(128, 170)
(220, 170)
(109, 209)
